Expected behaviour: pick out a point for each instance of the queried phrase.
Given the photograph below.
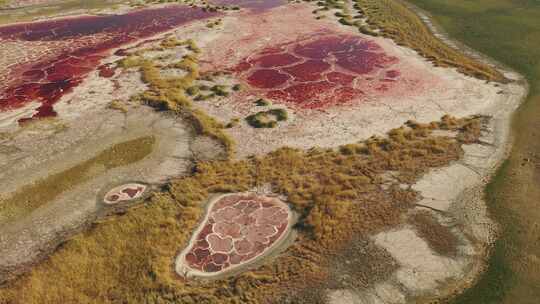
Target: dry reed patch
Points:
(393, 19)
(439, 238)
(361, 265)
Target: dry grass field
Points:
(338, 194)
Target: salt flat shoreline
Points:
(468, 205)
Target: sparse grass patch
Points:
(117, 105)
(267, 119)
(174, 93)
(262, 102)
(394, 20)
(361, 265)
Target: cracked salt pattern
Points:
(238, 229)
(320, 71)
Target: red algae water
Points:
(320, 71)
(87, 40)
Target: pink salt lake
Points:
(238, 229)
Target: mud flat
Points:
(374, 104)
(56, 172)
(454, 195)
(417, 91)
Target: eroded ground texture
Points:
(238, 229)
(252, 153)
(307, 67)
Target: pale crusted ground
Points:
(454, 195)
(423, 93)
(426, 94)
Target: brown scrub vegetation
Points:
(438, 237)
(340, 195)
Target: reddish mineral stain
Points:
(211, 267)
(203, 244)
(308, 71)
(307, 91)
(392, 74)
(340, 78)
(277, 60)
(245, 226)
(106, 71)
(88, 40)
(319, 71)
(267, 78)
(132, 192)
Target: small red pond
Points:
(238, 229)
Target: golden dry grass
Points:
(172, 93)
(338, 195)
(399, 23)
(394, 20)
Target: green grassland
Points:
(508, 31)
